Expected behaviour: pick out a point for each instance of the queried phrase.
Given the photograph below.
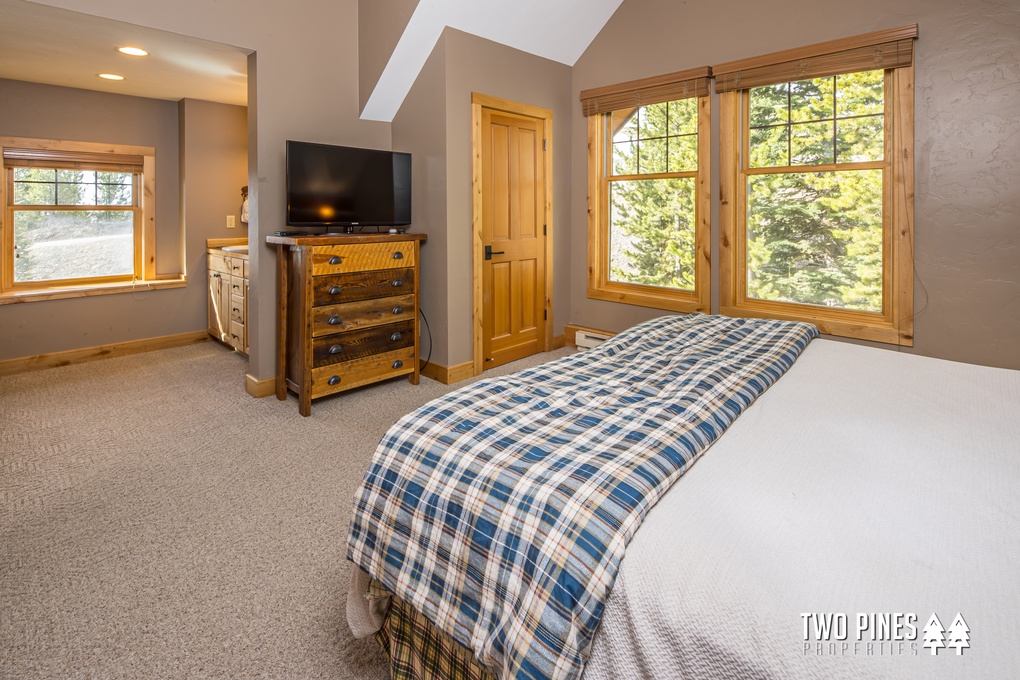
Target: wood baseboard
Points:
(259, 388)
(570, 332)
(117, 349)
(448, 374)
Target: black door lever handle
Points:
(489, 252)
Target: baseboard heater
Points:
(589, 339)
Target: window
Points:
(817, 183)
(75, 215)
(648, 192)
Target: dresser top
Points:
(340, 239)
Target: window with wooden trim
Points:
(75, 215)
(817, 186)
(648, 225)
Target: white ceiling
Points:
(44, 44)
(560, 30)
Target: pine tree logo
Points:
(959, 634)
(933, 634)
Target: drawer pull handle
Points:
(398, 255)
(398, 283)
(336, 259)
(398, 364)
(335, 290)
(216, 276)
(334, 380)
(336, 349)
(335, 320)
(396, 337)
(398, 310)
(237, 310)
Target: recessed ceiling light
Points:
(111, 76)
(133, 51)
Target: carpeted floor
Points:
(157, 522)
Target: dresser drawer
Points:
(345, 258)
(331, 319)
(334, 349)
(236, 265)
(238, 286)
(236, 338)
(343, 376)
(338, 288)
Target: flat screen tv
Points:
(346, 186)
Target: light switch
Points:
(230, 222)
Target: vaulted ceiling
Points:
(559, 30)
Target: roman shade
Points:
(635, 93)
(74, 160)
(889, 48)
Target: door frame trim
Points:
(479, 102)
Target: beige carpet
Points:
(157, 522)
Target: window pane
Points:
(625, 158)
(652, 156)
(811, 143)
(768, 147)
(811, 99)
(653, 120)
(683, 117)
(860, 94)
(625, 125)
(651, 232)
(816, 238)
(71, 244)
(654, 139)
(35, 193)
(860, 139)
(769, 105)
(76, 194)
(683, 153)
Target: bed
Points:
(859, 515)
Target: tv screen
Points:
(345, 186)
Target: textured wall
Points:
(967, 143)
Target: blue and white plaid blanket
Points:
(502, 510)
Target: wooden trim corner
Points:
(259, 388)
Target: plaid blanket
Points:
(501, 511)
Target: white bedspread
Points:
(863, 482)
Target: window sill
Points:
(38, 295)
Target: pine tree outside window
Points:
(648, 192)
(816, 184)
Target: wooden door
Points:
(513, 231)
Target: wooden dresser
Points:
(348, 312)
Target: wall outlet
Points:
(230, 222)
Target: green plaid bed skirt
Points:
(417, 650)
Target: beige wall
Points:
(49, 112)
(420, 128)
(967, 143)
(214, 167)
(305, 87)
(384, 23)
(439, 111)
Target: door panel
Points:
(513, 209)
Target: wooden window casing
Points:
(888, 50)
(599, 105)
(58, 154)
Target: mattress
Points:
(864, 493)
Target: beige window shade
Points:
(890, 48)
(635, 93)
(48, 158)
